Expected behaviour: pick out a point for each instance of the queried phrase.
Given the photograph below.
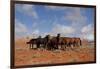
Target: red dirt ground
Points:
(26, 56)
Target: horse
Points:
(32, 42)
(69, 42)
(65, 41)
(77, 42)
(72, 41)
(53, 43)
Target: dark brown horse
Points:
(31, 43)
(54, 42)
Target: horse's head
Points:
(27, 42)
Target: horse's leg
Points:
(64, 46)
(73, 44)
(68, 45)
(55, 46)
(37, 46)
(77, 44)
(46, 46)
(30, 45)
(60, 46)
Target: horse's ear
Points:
(39, 36)
(58, 34)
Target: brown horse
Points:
(68, 42)
(56, 43)
(64, 41)
(77, 42)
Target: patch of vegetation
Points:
(20, 59)
(56, 51)
(73, 60)
(37, 55)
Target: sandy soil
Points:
(26, 56)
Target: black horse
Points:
(32, 42)
(39, 42)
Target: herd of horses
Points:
(57, 42)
